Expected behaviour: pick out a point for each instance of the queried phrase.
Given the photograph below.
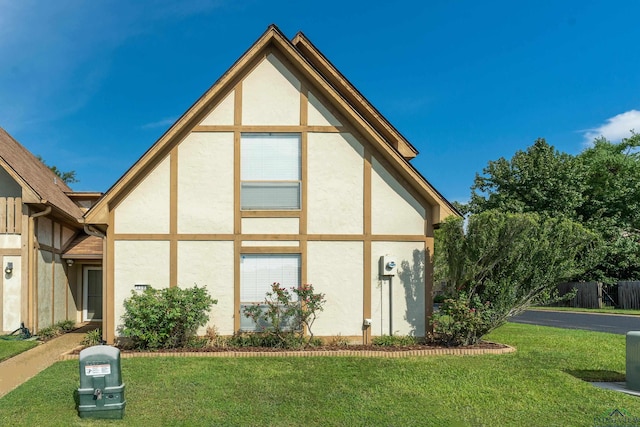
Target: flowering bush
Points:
(286, 313)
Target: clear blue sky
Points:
(91, 85)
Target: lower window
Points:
(258, 272)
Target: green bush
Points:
(56, 329)
(462, 321)
(93, 337)
(165, 318)
(394, 340)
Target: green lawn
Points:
(538, 385)
(10, 346)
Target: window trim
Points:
(244, 205)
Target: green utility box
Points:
(633, 360)
(101, 392)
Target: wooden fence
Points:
(589, 294)
(10, 215)
(629, 295)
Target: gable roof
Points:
(353, 95)
(323, 75)
(40, 185)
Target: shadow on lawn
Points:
(596, 375)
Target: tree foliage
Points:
(68, 177)
(502, 264)
(598, 188)
(540, 179)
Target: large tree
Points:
(540, 179)
(598, 188)
(501, 264)
(611, 205)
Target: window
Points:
(270, 171)
(258, 273)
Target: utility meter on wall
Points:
(388, 266)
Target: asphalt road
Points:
(614, 324)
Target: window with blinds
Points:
(270, 171)
(258, 272)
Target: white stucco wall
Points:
(336, 269)
(205, 183)
(270, 243)
(318, 114)
(335, 184)
(408, 294)
(270, 95)
(10, 241)
(142, 262)
(394, 210)
(222, 114)
(270, 225)
(8, 187)
(210, 264)
(146, 208)
(11, 296)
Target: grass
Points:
(606, 310)
(538, 385)
(10, 346)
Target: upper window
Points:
(270, 171)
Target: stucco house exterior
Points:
(281, 172)
(44, 251)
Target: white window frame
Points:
(258, 272)
(270, 171)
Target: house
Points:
(41, 235)
(281, 172)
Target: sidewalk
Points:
(20, 368)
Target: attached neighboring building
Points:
(281, 172)
(40, 220)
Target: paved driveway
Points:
(615, 324)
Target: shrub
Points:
(56, 329)
(93, 337)
(268, 339)
(283, 318)
(394, 340)
(500, 264)
(165, 318)
(462, 321)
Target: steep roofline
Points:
(98, 214)
(39, 184)
(353, 95)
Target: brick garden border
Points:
(321, 353)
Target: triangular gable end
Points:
(270, 55)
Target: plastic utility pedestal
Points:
(633, 360)
(101, 392)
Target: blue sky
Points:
(91, 85)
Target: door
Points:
(92, 291)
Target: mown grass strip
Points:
(537, 385)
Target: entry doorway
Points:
(92, 293)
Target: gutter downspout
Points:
(32, 288)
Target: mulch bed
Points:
(482, 345)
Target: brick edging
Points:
(322, 353)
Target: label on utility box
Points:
(93, 370)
